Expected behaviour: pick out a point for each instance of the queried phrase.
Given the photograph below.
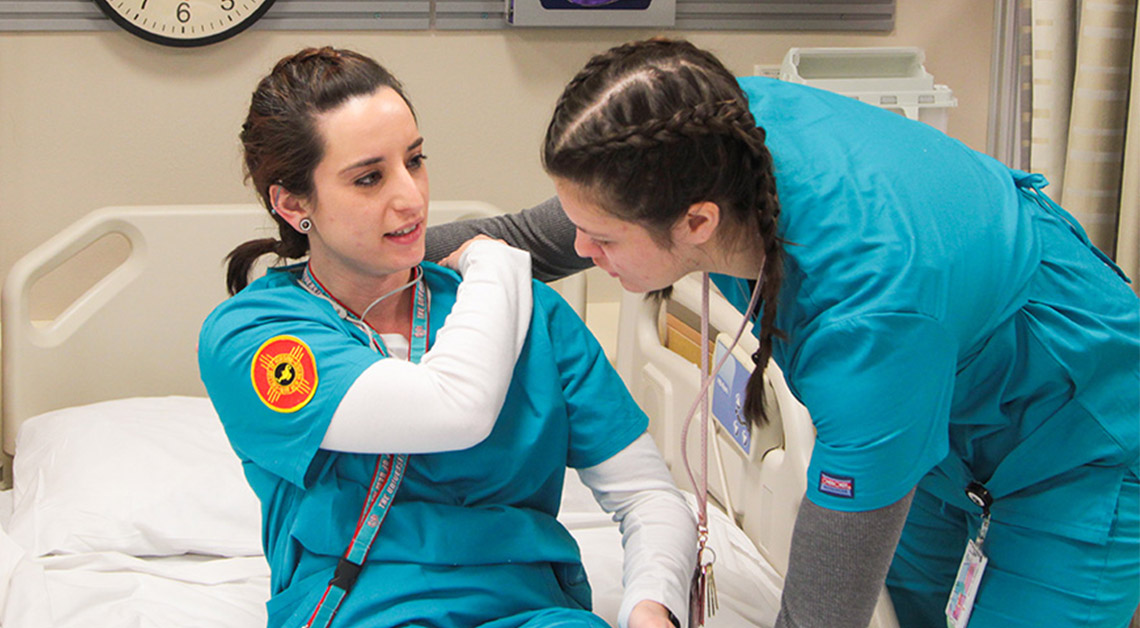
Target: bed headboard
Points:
(135, 331)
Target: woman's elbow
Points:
(467, 427)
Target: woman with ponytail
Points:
(410, 470)
(970, 361)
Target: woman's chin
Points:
(633, 286)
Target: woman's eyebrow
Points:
(375, 160)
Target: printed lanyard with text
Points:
(389, 468)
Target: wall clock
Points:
(184, 23)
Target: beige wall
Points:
(95, 119)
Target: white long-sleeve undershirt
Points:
(451, 399)
(657, 525)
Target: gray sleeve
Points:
(543, 230)
(838, 563)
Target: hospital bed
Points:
(128, 507)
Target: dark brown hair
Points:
(281, 143)
(650, 128)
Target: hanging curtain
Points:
(1011, 86)
(1082, 80)
(1128, 232)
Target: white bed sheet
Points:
(116, 590)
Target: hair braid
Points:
(726, 118)
(771, 278)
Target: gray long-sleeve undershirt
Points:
(838, 563)
(544, 230)
(838, 560)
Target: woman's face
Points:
(371, 190)
(623, 249)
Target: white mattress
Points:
(114, 589)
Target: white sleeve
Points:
(451, 399)
(659, 530)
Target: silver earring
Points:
(305, 225)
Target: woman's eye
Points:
(417, 161)
(368, 180)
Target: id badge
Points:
(966, 586)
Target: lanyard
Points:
(417, 335)
(389, 468)
(702, 590)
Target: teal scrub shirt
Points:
(471, 537)
(945, 323)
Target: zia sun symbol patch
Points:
(284, 373)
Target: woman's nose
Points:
(409, 195)
(585, 246)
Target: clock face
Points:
(184, 22)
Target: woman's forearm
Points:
(543, 230)
(838, 563)
(658, 527)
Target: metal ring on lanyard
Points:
(389, 468)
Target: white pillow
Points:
(148, 476)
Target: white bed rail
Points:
(141, 318)
(764, 489)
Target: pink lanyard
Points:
(389, 468)
(702, 593)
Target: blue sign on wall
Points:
(607, 13)
(590, 4)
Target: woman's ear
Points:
(698, 225)
(288, 205)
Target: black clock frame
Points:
(136, 30)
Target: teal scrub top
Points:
(941, 314)
(472, 534)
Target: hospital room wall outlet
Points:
(617, 13)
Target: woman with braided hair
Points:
(970, 361)
(408, 428)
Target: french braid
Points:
(768, 211)
(654, 127)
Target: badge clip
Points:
(973, 565)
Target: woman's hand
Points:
(649, 614)
(452, 260)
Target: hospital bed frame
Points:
(762, 490)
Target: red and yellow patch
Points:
(284, 373)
